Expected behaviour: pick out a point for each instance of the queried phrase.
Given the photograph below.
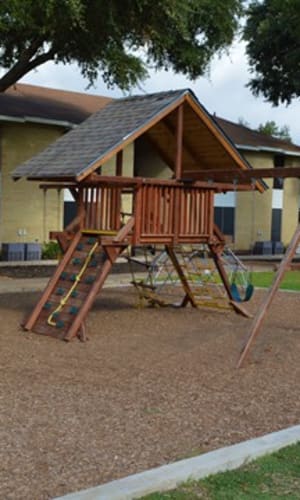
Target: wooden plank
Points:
(240, 309)
(125, 230)
(176, 214)
(185, 284)
(154, 201)
(211, 211)
(131, 182)
(97, 208)
(183, 212)
(228, 175)
(171, 210)
(137, 211)
(264, 307)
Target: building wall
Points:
(109, 168)
(291, 199)
(148, 163)
(25, 208)
(253, 215)
(254, 211)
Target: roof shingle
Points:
(244, 136)
(80, 148)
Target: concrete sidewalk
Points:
(168, 477)
(19, 285)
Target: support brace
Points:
(262, 311)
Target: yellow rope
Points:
(65, 299)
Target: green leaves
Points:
(110, 37)
(273, 47)
(271, 128)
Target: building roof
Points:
(30, 103)
(248, 139)
(88, 146)
(77, 150)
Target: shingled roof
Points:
(121, 121)
(30, 103)
(248, 139)
(78, 150)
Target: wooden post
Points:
(259, 317)
(188, 292)
(221, 270)
(223, 275)
(124, 231)
(80, 207)
(137, 210)
(179, 139)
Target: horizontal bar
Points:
(190, 183)
(221, 175)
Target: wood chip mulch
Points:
(150, 387)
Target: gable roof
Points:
(78, 150)
(31, 103)
(103, 134)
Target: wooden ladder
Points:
(77, 281)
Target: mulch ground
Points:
(150, 387)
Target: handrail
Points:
(165, 211)
(137, 181)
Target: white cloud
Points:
(223, 91)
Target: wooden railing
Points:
(174, 213)
(102, 207)
(164, 211)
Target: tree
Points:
(118, 39)
(273, 47)
(270, 128)
(243, 122)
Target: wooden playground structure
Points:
(169, 213)
(166, 212)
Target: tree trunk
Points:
(21, 68)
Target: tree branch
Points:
(24, 65)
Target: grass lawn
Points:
(275, 476)
(264, 279)
(261, 279)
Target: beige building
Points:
(33, 117)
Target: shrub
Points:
(51, 250)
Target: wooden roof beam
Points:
(179, 142)
(186, 147)
(95, 180)
(230, 175)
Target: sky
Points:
(223, 91)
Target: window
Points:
(279, 161)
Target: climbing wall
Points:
(70, 289)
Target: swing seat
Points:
(236, 294)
